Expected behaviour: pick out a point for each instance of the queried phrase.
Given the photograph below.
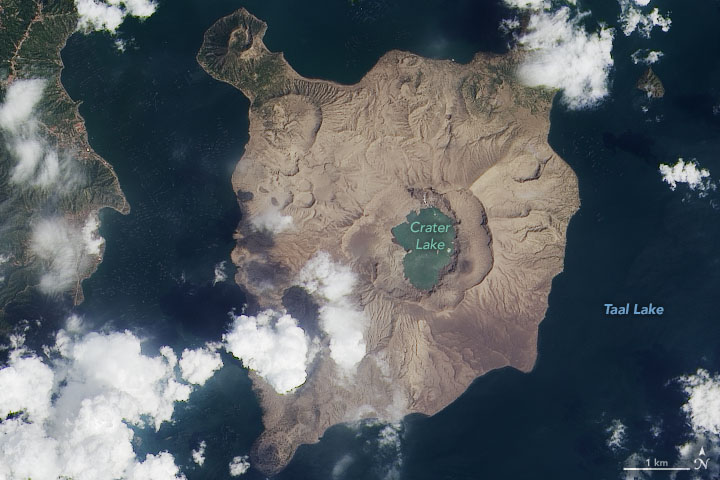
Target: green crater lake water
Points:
(428, 239)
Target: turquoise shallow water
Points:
(428, 238)
(174, 135)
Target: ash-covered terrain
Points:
(329, 171)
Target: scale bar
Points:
(650, 469)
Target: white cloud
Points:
(390, 436)
(633, 19)
(198, 365)
(108, 15)
(57, 245)
(21, 98)
(345, 326)
(27, 452)
(93, 241)
(137, 8)
(703, 405)
(562, 54)
(688, 173)
(134, 385)
(341, 466)
(272, 345)
(74, 324)
(121, 44)
(97, 15)
(26, 386)
(271, 220)
(156, 467)
(37, 164)
(3, 260)
(198, 455)
(390, 448)
(617, 435)
(239, 465)
(508, 25)
(636, 460)
(385, 446)
(526, 4)
(703, 412)
(220, 273)
(78, 410)
(64, 250)
(656, 430)
(648, 57)
(332, 283)
(701, 446)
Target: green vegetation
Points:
(428, 237)
(31, 37)
(259, 74)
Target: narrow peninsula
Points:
(52, 183)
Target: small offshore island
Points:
(325, 185)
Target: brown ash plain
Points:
(342, 165)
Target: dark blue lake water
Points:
(174, 135)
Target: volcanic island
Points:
(433, 183)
